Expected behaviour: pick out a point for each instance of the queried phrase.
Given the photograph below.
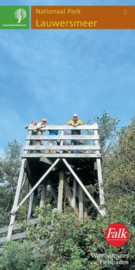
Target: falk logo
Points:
(116, 234)
(20, 14)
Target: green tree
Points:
(9, 172)
(107, 129)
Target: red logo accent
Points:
(116, 234)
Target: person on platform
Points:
(75, 122)
(52, 142)
(41, 124)
(34, 132)
(39, 129)
(33, 123)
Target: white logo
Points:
(20, 14)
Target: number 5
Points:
(125, 12)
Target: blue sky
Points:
(55, 73)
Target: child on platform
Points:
(52, 142)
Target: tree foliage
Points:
(119, 167)
(61, 241)
(9, 172)
(107, 129)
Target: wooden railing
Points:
(87, 145)
(16, 227)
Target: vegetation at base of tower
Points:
(73, 244)
(61, 241)
(18, 256)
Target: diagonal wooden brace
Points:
(83, 187)
(37, 184)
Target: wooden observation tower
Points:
(68, 172)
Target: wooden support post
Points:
(16, 200)
(85, 214)
(24, 180)
(61, 142)
(60, 191)
(53, 190)
(69, 196)
(43, 195)
(100, 182)
(30, 206)
(99, 173)
(80, 203)
(74, 194)
(28, 171)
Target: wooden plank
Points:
(99, 173)
(61, 142)
(74, 194)
(69, 155)
(19, 184)
(66, 127)
(66, 133)
(14, 237)
(62, 137)
(69, 196)
(30, 206)
(85, 215)
(28, 170)
(43, 195)
(100, 183)
(66, 143)
(28, 142)
(62, 147)
(25, 164)
(19, 235)
(46, 160)
(5, 229)
(24, 180)
(18, 226)
(53, 190)
(60, 191)
(80, 203)
(3, 240)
